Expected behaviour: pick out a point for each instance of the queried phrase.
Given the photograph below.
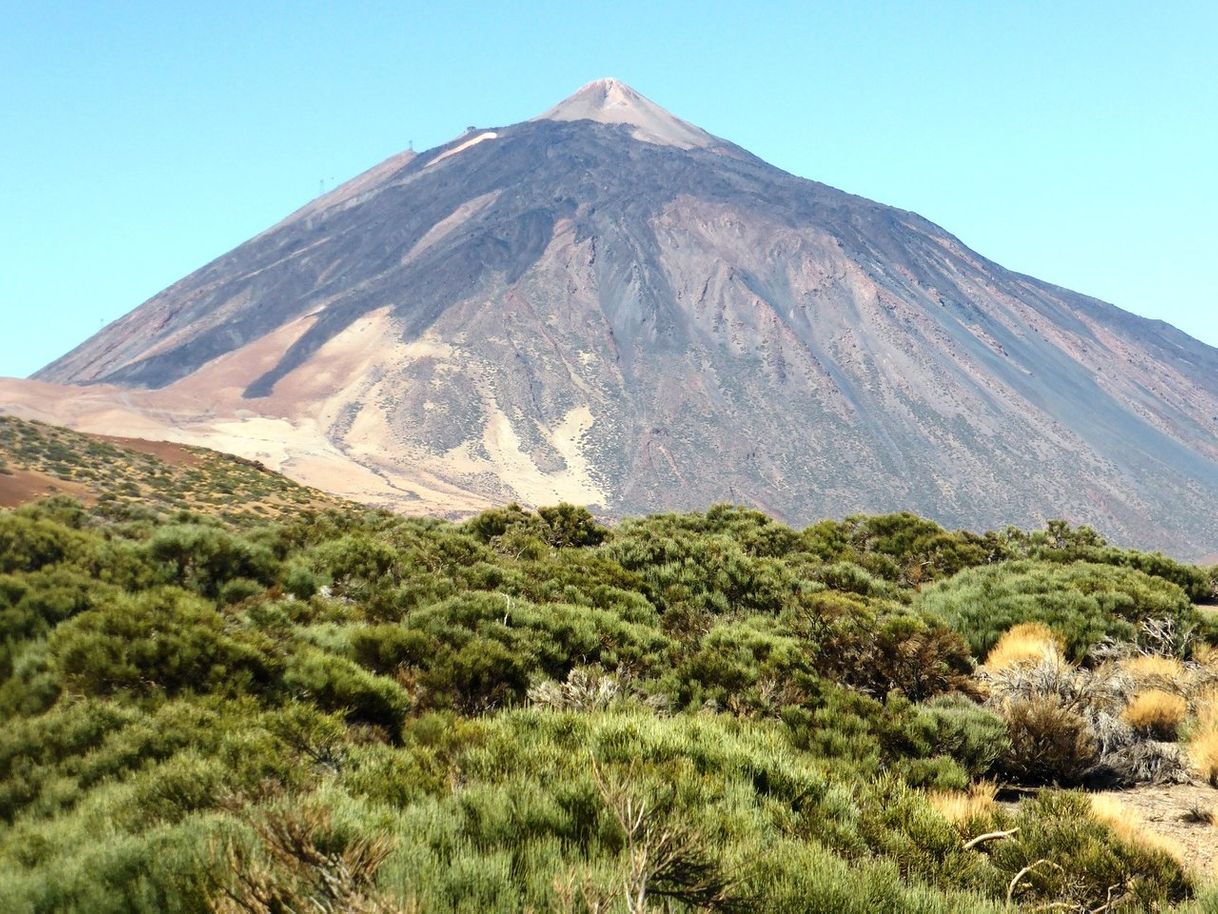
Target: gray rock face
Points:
(673, 321)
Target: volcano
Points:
(611, 306)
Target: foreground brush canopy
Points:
(311, 706)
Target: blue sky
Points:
(1077, 142)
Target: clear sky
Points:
(1074, 141)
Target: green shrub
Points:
(159, 641)
(34, 603)
(804, 877)
(479, 676)
(485, 648)
(31, 749)
(900, 548)
(942, 744)
(953, 726)
(736, 663)
(30, 543)
(1082, 603)
(337, 684)
(1072, 859)
(385, 648)
(740, 716)
(301, 581)
(354, 562)
(34, 683)
(163, 870)
(206, 558)
(62, 509)
(570, 526)
(893, 649)
(496, 522)
(238, 590)
(167, 793)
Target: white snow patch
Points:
(474, 141)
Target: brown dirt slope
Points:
(173, 454)
(20, 486)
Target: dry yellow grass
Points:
(1203, 753)
(1028, 642)
(1152, 668)
(1129, 826)
(1206, 655)
(1207, 710)
(1157, 713)
(962, 806)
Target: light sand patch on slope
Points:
(445, 226)
(100, 409)
(330, 423)
(347, 386)
(296, 448)
(339, 369)
(220, 382)
(568, 438)
(519, 471)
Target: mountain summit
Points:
(607, 101)
(608, 305)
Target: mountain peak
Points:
(610, 101)
(561, 312)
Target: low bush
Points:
(953, 726)
(386, 648)
(32, 543)
(567, 526)
(337, 684)
(1049, 744)
(1156, 714)
(484, 648)
(878, 649)
(206, 558)
(305, 864)
(1063, 855)
(1083, 604)
(161, 641)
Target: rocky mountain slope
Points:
(608, 305)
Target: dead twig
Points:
(989, 836)
(1014, 884)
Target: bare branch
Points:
(1014, 884)
(989, 836)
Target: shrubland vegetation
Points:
(346, 710)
